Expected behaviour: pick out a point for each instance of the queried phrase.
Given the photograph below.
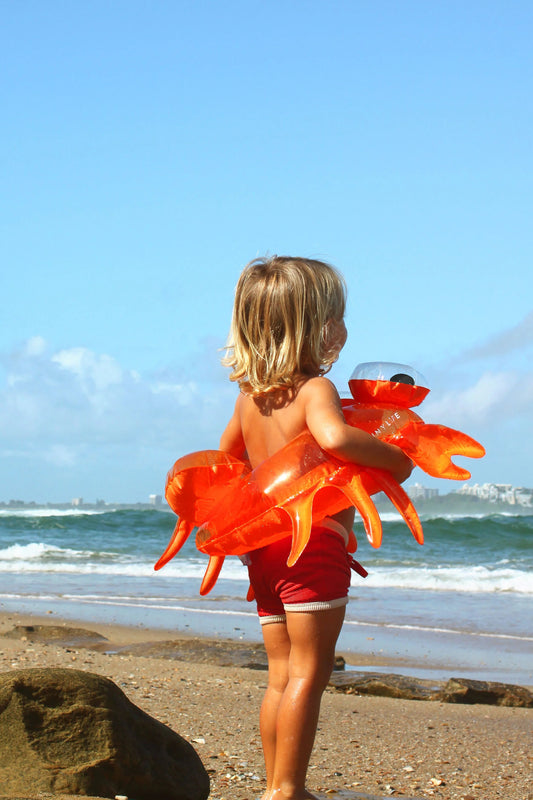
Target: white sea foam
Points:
(17, 552)
(426, 516)
(38, 558)
(91, 568)
(389, 516)
(41, 559)
(35, 513)
(36, 551)
(126, 602)
(225, 612)
(438, 630)
(461, 579)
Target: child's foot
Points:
(279, 794)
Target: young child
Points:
(286, 332)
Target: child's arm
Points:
(325, 420)
(232, 440)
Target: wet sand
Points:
(365, 746)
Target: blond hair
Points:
(281, 324)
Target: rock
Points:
(464, 690)
(61, 635)
(222, 652)
(385, 685)
(456, 690)
(72, 732)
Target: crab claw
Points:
(211, 574)
(439, 444)
(177, 540)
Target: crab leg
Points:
(177, 540)
(359, 497)
(211, 574)
(402, 502)
(301, 513)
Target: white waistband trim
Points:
(316, 605)
(332, 525)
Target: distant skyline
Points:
(151, 150)
(415, 489)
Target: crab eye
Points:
(401, 377)
(388, 371)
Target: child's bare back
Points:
(262, 425)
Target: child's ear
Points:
(334, 334)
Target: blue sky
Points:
(151, 149)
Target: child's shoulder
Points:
(318, 387)
(319, 382)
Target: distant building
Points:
(419, 492)
(155, 500)
(76, 501)
(524, 497)
(499, 493)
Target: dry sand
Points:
(365, 745)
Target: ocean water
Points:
(459, 605)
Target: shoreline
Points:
(117, 639)
(122, 635)
(366, 745)
(432, 654)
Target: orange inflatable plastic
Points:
(237, 510)
(381, 406)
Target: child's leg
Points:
(277, 645)
(312, 637)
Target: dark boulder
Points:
(221, 652)
(382, 684)
(59, 635)
(464, 690)
(456, 690)
(73, 732)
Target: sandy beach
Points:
(365, 745)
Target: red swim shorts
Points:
(319, 580)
